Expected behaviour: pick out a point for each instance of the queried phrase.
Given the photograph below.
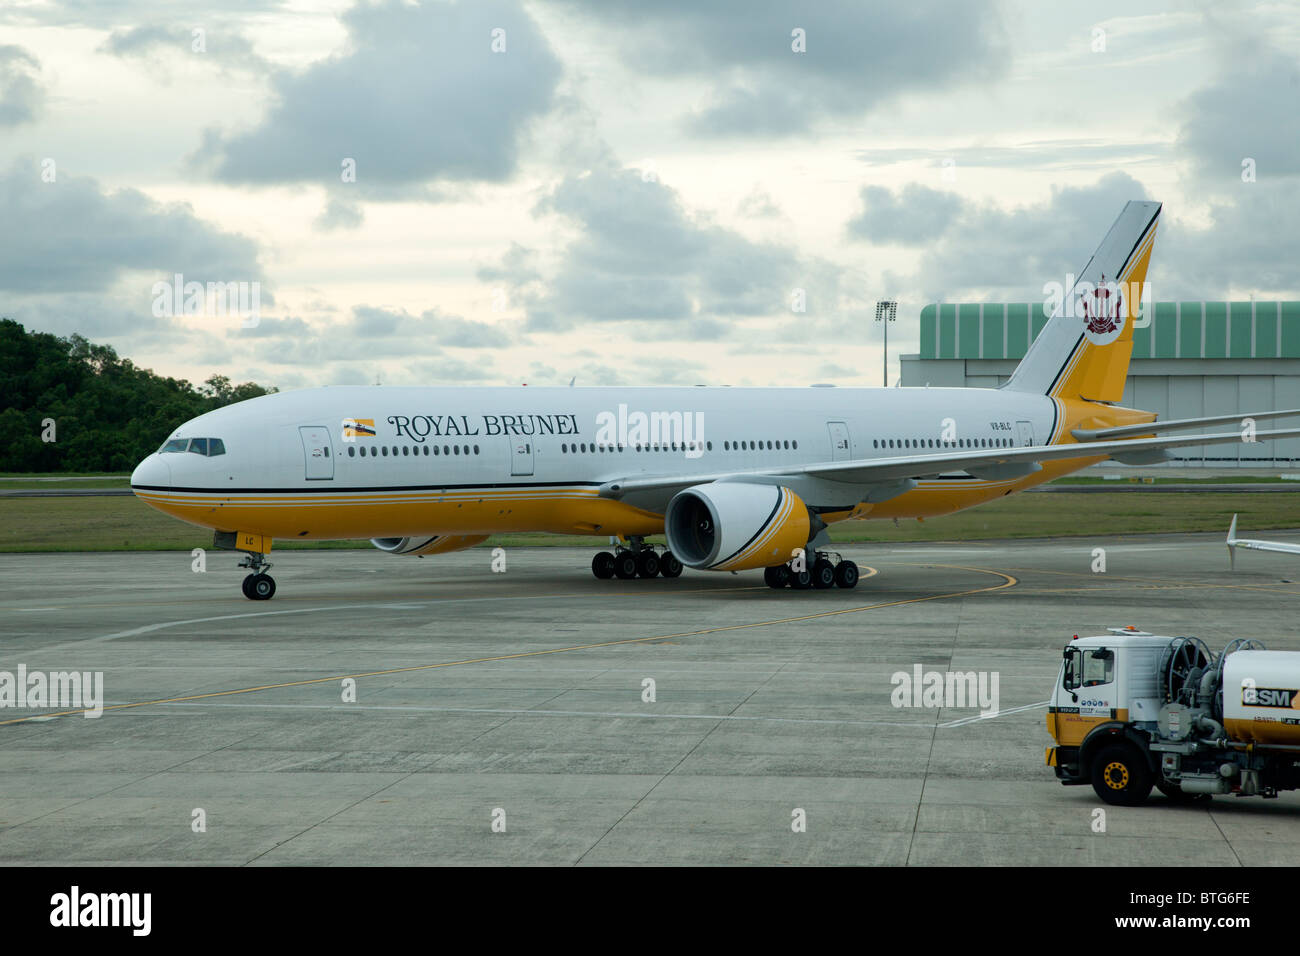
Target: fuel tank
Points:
(1261, 697)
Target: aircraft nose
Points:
(153, 472)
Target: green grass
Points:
(51, 484)
(1222, 480)
(127, 524)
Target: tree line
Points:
(68, 405)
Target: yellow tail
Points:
(1083, 352)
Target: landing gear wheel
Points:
(246, 586)
(647, 564)
(846, 574)
(602, 565)
(625, 565)
(259, 587)
(800, 580)
(669, 566)
(823, 574)
(1120, 776)
(777, 577)
(1176, 795)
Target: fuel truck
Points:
(1133, 710)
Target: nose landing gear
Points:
(257, 586)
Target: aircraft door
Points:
(316, 452)
(841, 447)
(1025, 434)
(521, 455)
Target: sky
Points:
(499, 192)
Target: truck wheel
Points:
(1176, 795)
(1120, 776)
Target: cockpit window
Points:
(209, 447)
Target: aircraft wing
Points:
(994, 463)
(1253, 545)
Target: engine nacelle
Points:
(437, 544)
(733, 526)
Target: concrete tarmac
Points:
(518, 701)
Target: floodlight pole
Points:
(886, 312)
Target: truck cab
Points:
(1105, 702)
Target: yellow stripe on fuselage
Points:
(369, 514)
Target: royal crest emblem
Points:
(1102, 308)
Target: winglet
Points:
(1232, 543)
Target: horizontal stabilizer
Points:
(1125, 431)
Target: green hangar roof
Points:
(1176, 330)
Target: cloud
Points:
(21, 92)
(1250, 111)
(858, 56)
(418, 96)
(1249, 245)
(429, 329)
(1048, 154)
(995, 253)
(641, 255)
(339, 213)
(758, 205)
(72, 236)
(916, 214)
(99, 15)
(155, 42)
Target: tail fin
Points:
(1084, 350)
(1232, 543)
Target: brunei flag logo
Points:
(358, 428)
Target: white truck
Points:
(1131, 710)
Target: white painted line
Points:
(962, 721)
(163, 625)
(942, 550)
(521, 712)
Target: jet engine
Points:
(734, 526)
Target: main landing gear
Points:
(258, 586)
(640, 560)
(822, 573)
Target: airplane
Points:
(734, 478)
(1252, 544)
